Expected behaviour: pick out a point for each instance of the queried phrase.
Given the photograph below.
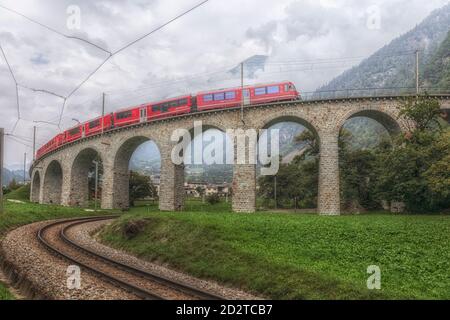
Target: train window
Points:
(74, 131)
(182, 102)
(260, 91)
(156, 107)
(230, 95)
(165, 107)
(273, 89)
(124, 114)
(219, 96)
(94, 124)
(173, 104)
(207, 97)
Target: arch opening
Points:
(362, 139)
(86, 174)
(137, 171)
(52, 187)
(36, 187)
(389, 123)
(208, 168)
(295, 184)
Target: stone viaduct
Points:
(61, 177)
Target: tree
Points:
(296, 181)
(422, 113)
(13, 185)
(414, 171)
(357, 173)
(140, 187)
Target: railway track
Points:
(141, 283)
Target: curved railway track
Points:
(143, 284)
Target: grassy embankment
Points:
(17, 214)
(297, 256)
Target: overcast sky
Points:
(195, 50)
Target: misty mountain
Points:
(251, 66)
(437, 71)
(393, 66)
(9, 175)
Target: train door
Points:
(194, 104)
(143, 114)
(83, 131)
(246, 96)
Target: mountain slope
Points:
(437, 71)
(393, 66)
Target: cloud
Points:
(192, 54)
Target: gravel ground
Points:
(43, 275)
(83, 235)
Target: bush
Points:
(213, 198)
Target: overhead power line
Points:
(15, 82)
(53, 29)
(127, 46)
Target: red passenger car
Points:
(170, 107)
(226, 98)
(54, 143)
(129, 116)
(73, 134)
(95, 126)
(272, 92)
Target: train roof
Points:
(246, 86)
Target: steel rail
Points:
(142, 293)
(176, 285)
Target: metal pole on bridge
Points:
(96, 184)
(103, 112)
(2, 140)
(242, 91)
(34, 143)
(24, 167)
(417, 72)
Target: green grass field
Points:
(297, 256)
(282, 255)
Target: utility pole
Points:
(275, 191)
(24, 167)
(34, 143)
(242, 91)
(417, 72)
(96, 184)
(103, 112)
(2, 140)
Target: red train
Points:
(202, 101)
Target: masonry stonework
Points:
(61, 176)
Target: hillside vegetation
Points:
(437, 72)
(393, 66)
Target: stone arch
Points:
(308, 125)
(79, 176)
(208, 125)
(121, 162)
(52, 185)
(291, 118)
(35, 187)
(387, 120)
